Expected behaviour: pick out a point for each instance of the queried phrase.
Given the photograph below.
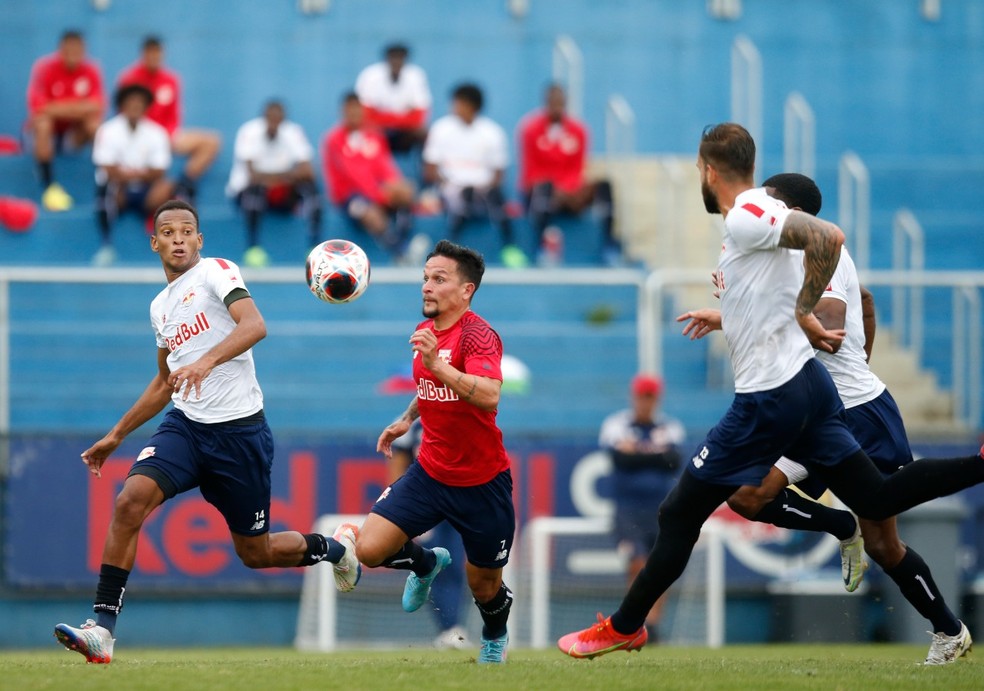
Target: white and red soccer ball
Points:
(337, 271)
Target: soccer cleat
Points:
(348, 570)
(417, 589)
(853, 563)
(55, 198)
(946, 649)
(256, 257)
(454, 638)
(601, 639)
(92, 641)
(493, 651)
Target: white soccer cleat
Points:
(455, 638)
(348, 570)
(946, 649)
(92, 641)
(853, 563)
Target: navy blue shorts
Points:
(483, 515)
(878, 427)
(230, 461)
(803, 420)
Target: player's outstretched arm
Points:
(821, 243)
(397, 429)
(151, 401)
(250, 330)
(702, 322)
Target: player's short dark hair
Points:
(471, 264)
(274, 103)
(175, 205)
(396, 48)
(729, 148)
(796, 190)
(152, 41)
(125, 92)
(469, 93)
(71, 35)
(349, 97)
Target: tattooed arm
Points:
(397, 429)
(821, 244)
(868, 319)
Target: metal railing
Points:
(799, 136)
(568, 70)
(854, 207)
(746, 90)
(907, 323)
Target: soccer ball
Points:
(337, 271)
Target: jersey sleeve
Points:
(159, 157)
(104, 151)
(482, 350)
(498, 154)
(756, 227)
(434, 146)
(838, 286)
(223, 277)
(612, 431)
(300, 147)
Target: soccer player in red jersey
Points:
(200, 146)
(462, 472)
(553, 149)
(363, 179)
(64, 99)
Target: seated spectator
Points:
(553, 148)
(396, 98)
(199, 146)
(364, 181)
(465, 155)
(65, 104)
(272, 168)
(132, 154)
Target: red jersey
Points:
(166, 87)
(52, 81)
(552, 152)
(357, 162)
(461, 445)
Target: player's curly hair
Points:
(471, 264)
(729, 148)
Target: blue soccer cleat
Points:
(493, 650)
(417, 589)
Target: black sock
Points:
(680, 519)
(916, 583)
(495, 613)
(321, 548)
(109, 595)
(790, 510)
(47, 177)
(412, 557)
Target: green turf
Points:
(736, 667)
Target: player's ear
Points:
(153, 242)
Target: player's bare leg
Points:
(200, 146)
(292, 548)
(494, 601)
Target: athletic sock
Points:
(790, 510)
(495, 613)
(412, 557)
(44, 168)
(109, 595)
(916, 583)
(321, 548)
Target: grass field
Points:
(737, 667)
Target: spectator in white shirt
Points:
(272, 168)
(132, 154)
(466, 155)
(396, 98)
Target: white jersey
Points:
(467, 155)
(760, 283)
(190, 318)
(277, 155)
(144, 147)
(375, 88)
(849, 369)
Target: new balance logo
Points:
(502, 555)
(258, 525)
(699, 459)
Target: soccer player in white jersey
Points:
(785, 401)
(876, 423)
(215, 437)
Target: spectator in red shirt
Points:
(65, 101)
(198, 145)
(397, 98)
(553, 148)
(364, 181)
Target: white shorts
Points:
(793, 471)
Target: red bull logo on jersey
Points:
(188, 298)
(186, 332)
(429, 391)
